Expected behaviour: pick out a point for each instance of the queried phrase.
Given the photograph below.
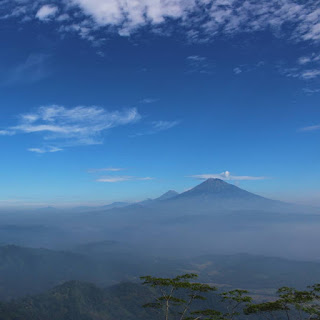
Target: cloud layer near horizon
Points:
(226, 176)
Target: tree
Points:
(176, 292)
(175, 297)
(235, 301)
(292, 304)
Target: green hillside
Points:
(76, 300)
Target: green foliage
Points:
(182, 292)
(179, 292)
(177, 298)
(292, 303)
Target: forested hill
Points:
(76, 300)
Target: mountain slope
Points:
(168, 195)
(215, 194)
(76, 300)
(217, 188)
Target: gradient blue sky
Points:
(110, 100)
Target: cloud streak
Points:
(67, 127)
(199, 64)
(148, 100)
(7, 133)
(310, 128)
(158, 126)
(34, 68)
(227, 176)
(45, 150)
(105, 170)
(114, 179)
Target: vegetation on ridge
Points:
(176, 297)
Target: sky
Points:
(118, 100)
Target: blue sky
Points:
(114, 100)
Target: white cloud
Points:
(72, 126)
(112, 179)
(45, 150)
(46, 12)
(310, 74)
(301, 73)
(130, 15)
(311, 128)
(200, 20)
(203, 16)
(226, 176)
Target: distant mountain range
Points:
(214, 216)
(214, 196)
(211, 195)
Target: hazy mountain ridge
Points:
(214, 216)
(25, 271)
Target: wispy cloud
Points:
(237, 70)
(301, 73)
(148, 100)
(105, 170)
(71, 126)
(306, 68)
(226, 176)
(116, 178)
(311, 90)
(7, 133)
(248, 67)
(35, 67)
(158, 126)
(308, 59)
(199, 64)
(45, 150)
(113, 179)
(164, 125)
(310, 128)
(310, 74)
